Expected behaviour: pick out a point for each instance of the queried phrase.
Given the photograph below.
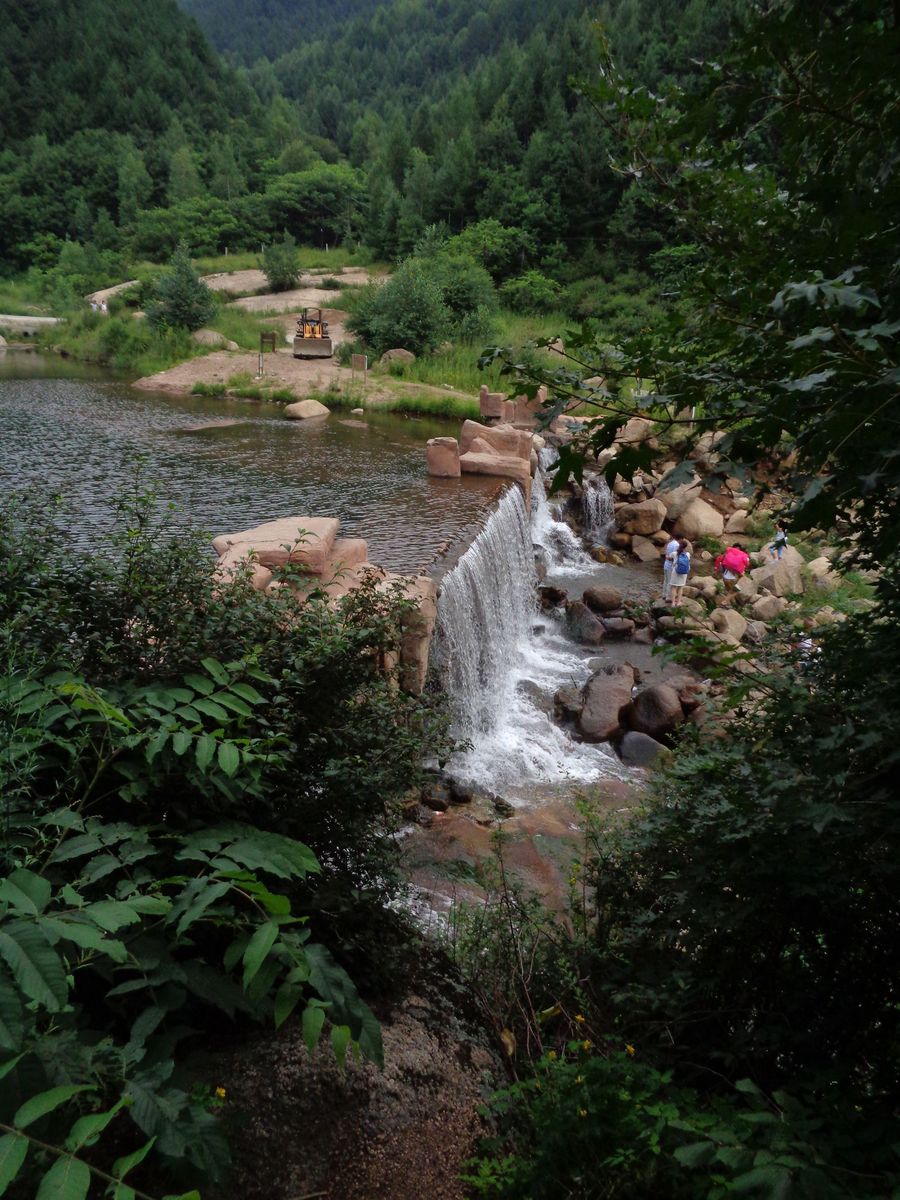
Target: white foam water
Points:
(559, 546)
(503, 661)
(598, 511)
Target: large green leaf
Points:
(25, 891)
(128, 1162)
(13, 1148)
(87, 1129)
(35, 965)
(112, 915)
(12, 1025)
(229, 757)
(258, 948)
(195, 900)
(45, 1102)
(68, 1179)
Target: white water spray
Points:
(597, 508)
(502, 663)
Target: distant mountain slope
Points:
(267, 28)
(103, 64)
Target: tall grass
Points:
(21, 298)
(129, 346)
(244, 328)
(411, 404)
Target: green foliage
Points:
(181, 300)
(407, 311)
(151, 884)
(531, 293)
(597, 1123)
(281, 265)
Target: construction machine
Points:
(311, 339)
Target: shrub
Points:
(180, 298)
(280, 263)
(407, 311)
(530, 293)
(149, 876)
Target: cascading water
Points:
(597, 508)
(502, 666)
(560, 546)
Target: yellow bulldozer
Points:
(311, 339)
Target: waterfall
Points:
(486, 608)
(502, 663)
(597, 508)
(560, 546)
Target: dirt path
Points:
(242, 283)
(304, 377)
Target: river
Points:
(73, 431)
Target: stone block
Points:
(442, 457)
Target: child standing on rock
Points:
(680, 572)
(781, 540)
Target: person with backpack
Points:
(781, 540)
(681, 571)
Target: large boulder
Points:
(677, 496)
(582, 624)
(767, 608)
(729, 623)
(396, 355)
(643, 549)
(210, 337)
(505, 465)
(783, 576)
(635, 431)
(737, 522)
(655, 711)
(490, 404)
(502, 439)
(639, 750)
(304, 541)
(602, 599)
(304, 410)
(606, 695)
(442, 457)
(823, 574)
(699, 519)
(618, 627)
(645, 517)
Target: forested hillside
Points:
(123, 130)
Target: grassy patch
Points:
(208, 389)
(122, 343)
(21, 298)
(245, 328)
(311, 258)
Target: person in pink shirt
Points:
(731, 565)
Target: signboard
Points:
(359, 362)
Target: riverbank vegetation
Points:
(193, 776)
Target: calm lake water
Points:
(69, 431)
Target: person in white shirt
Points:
(670, 553)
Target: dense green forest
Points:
(370, 125)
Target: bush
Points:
(180, 298)
(531, 293)
(407, 311)
(280, 263)
(149, 875)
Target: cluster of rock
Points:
(522, 410)
(324, 563)
(503, 450)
